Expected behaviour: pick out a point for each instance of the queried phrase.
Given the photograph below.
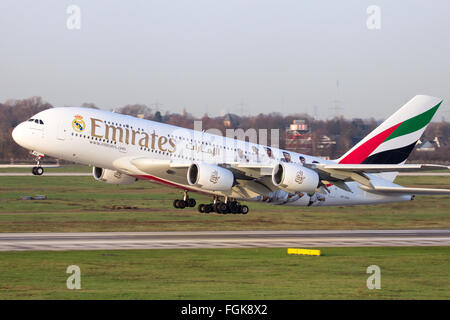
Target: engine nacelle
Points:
(293, 177)
(111, 176)
(210, 177)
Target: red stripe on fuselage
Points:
(156, 179)
(363, 151)
(165, 182)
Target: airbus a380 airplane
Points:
(123, 149)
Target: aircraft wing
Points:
(255, 178)
(339, 174)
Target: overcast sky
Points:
(247, 56)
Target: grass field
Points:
(228, 274)
(82, 204)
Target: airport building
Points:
(300, 138)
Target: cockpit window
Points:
(38, 121)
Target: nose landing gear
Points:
(38, 170)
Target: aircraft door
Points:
(62, 131)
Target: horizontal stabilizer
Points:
(401, 190)
(377, 168)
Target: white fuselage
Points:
(109, 140)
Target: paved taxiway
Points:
(221, 239)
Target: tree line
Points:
(344, 132)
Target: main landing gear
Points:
(223, 207)
(185, 202)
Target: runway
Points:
(87, 174)
(46, 174)
(221, 239)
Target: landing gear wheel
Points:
(201, 208)
(234, 207)
(175, 203)
(222, 208)
(208, 208)
(244, 209)
(181, 204)
(37, 171)
(191, 202)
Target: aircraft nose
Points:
(18, 134)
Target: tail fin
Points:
(393, 140)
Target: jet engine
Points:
(210, 177)
(111, 176)
(293, 177)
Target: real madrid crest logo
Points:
(78, 123)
